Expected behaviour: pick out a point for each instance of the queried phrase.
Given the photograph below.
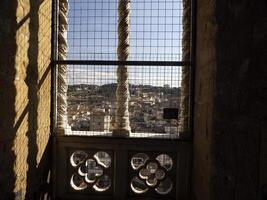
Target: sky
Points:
(155, 34)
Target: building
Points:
(100, 121)
(229, 145)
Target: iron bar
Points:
(114, 62)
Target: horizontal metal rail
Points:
(114, 62)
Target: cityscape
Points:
(93, 108)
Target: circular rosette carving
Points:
(138, 185)
(77, 158)
(139, 160)
(103, 159)
(91, 171)
(160, 174)
(77, 183)
(164, 186)
(151, 174)
(102, 184)
(165, 161)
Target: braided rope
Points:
(122, 93)
(184, 102)
(62, 70)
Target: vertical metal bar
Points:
(53, 66)
(53, 115)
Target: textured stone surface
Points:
(230, 157)
(25, 38)
(204, 92)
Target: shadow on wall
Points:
(10, 119)
(32, 83)
(8, 127)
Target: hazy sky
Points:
(156, 33)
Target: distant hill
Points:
(109, 90)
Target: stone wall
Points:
(204, 93)
(25, 49)
(230, 142)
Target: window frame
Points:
(62, 143)
(55, 62)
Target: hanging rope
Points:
(122, 94)
(184, 102)
(62, 69)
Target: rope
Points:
(122, 127)
(184, 102)
(62, 69)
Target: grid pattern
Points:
(155, 30)
(160, 76)
(155, 35)
(92, 101)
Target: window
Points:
(154, 67)
(123, 84)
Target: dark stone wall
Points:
(204, 88)
(240, 102)
(235, 145)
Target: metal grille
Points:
(92, 101)
(156, 34)
(156, 30)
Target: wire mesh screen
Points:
(155, 30)
(155, 91)
(92, 99)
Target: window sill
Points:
(69, 132)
